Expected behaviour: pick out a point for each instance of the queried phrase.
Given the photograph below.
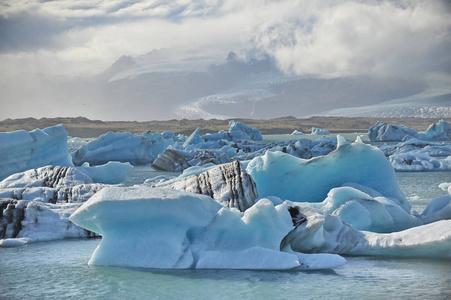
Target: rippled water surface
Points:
(60, 270)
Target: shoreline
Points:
(86, 128)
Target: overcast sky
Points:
(326, 39)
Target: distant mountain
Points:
(191, 84)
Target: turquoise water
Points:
(59, 270)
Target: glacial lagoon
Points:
(57, 270)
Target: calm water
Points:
(59, 270)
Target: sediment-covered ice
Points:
(22, 150)
(37, 203)
(228, 184)
(164, 228)
(137, 149)
(291, 178)
(178, 160)
(417, 161)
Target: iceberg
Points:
(440, 131)
(163, 228)
(193, 139)
(366, 209)
(418, 146)
(296, 132)
(437, 209)
(381, 131)
(136, 149)
(36, 204)
(318, 233)
(388, 132)
(228, 184)
(178, 160)
(22, 150)
(237, 132)
(318, 131)
(300, 180)
(417, 161)
(112, 172)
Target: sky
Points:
(407, 39)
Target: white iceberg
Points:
(22, 150)
(437, 209)
(163, 228)
(366, 209)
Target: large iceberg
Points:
(291, 178)
(163, 228)
(22, 150)
(122, 147)
(319, 233)
(35, 205)
(388, 132)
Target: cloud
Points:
(383, 38)
(319, 38)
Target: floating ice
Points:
(287, 177)
(417, 161)
(112, 172)
(296, 132)
(123, 147)
(329, 234)
(364, 212)
(22, 150)
(228, 184)
(193, 139)
(438, 209)
(319, 131)
(163, 228)
(437, 132)
(237, 132)
(387, 132)
(179, 160)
